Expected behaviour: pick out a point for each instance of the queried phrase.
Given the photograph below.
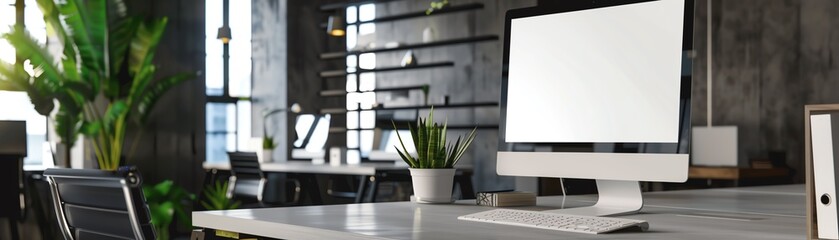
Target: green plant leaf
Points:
(76, 19)
(80, 88)
(268, 142)
(144, 44)
(406, 156)
(139, 83)
(465, 146)
(216, 197)
(115, 110)
(91, 128)
(121, 35)
(12, 79)
(67, 125)
(162, 214)
(433, 142)
(42, 61)
(96, 21)
(433, 148)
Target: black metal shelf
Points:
(343, 73)
(419, 14)
(450, 127)
(338, 6)
(340, 55)
(341, 92)
(458, 105)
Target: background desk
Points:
(371, 175)
(773, 212)
(737, 175)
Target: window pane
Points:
(352, 139)
(352, 100)
(220, 121)
(351, 17)
(367, 12)
(367, 28)
(352, 36)
(368, 119)
(368, 81)
(34, 21)
(351, 86)
(351, 59)
(243, 130)
(7, 19)
(213, 47)
(367, 100)
(240, 49)
(366, 142)
(216, 147)
(352, 119)
(367, 61)
(353, 157)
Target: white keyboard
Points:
(555, 221)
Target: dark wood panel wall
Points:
(172, 143)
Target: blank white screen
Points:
(602, 75)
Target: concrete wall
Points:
(770, 58)
(270, 68)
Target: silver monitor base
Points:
(614, 198)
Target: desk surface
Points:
(774, 212)
(308, 167)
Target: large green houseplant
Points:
(103, 78)
(432, 170)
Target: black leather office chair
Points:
(247, 181)
(95, 204)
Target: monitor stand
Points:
(614, 198)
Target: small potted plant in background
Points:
(432, 170)
(268, 146)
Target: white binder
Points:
(824, 175)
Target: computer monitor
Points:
(597, 87)
(312, 132)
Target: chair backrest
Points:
(95, 204)
(13, 138)
(247, 179)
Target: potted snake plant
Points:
(432, 169)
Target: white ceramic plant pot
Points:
(267, 155)
(432, 185)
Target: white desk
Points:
(308, 167)
(775, 212)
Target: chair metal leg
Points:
(362, 187)
(374, 188)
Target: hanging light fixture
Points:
(335, 26)
(224, 34)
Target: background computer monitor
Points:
(598, 84)
(312, 132)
